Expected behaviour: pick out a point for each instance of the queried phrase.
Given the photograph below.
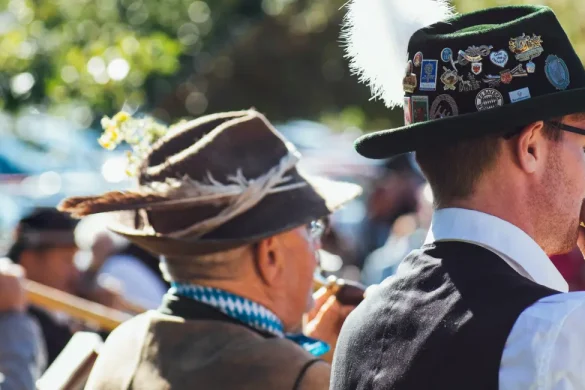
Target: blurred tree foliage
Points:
(177, 58)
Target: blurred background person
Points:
(394, 194)
(408, 233)
(22, 353)
(44, 246)
(118, 263)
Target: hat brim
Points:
(333, 194)
(387, 143)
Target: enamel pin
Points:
(449, 79)
(476, 68)
(471, 84)
(444, 106)
(446, 55)
(526, 48)
(428, 75)
(420, 109)
(557, 72)
(409, 82)
(519, 95)
(499, 58)
(505, 77)
(488, 98)
(473, 54)
(407, 111)
(417, 60)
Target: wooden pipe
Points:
(82, 309)
(347, 292)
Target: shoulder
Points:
(316, 376)
(542, 343)
(129, 333)
(553, 312)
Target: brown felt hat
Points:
(216, 183)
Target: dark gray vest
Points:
(440, 323)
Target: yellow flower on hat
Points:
(139, 133)
(106, 142)
(121, 117)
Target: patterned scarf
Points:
(246, 311)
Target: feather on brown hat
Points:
(216, 183)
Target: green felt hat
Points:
(480, 73)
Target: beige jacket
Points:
(157, 351)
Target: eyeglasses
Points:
(565, 127)
(558, 125)
(316, 229)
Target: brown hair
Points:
(453, 169)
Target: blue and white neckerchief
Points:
(249, 312)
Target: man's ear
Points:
(529, 147)
(269, 260)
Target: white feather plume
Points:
(376, 35)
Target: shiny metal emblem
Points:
(471, 84)
(449, 79)
(409, 83)
(488, 98)
(444, 106)
(476, 68)
(417, 60)
(499, 58)
(526, 47)
(506, 76)
(446, 55)
(557, 72)
(473, 54)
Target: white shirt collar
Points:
(503, 238)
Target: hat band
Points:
(241, 194)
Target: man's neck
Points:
(507, 210)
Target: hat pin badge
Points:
(447, 55)
(409, 82)
(476, 68)
(443, 106)
(557, 72)
(473, 54)
(471, 84)
(526, 48)
(449, 79)
(506, 76)
(499, 58)
(488, 98)
(417, 60)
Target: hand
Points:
(324, 321)
(12, 294)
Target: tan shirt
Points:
(157, 351)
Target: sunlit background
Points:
(64, 64)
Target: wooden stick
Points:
(82, 309)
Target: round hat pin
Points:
(488, 98)
(446, 55)
(417, 60)
(557, 72)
